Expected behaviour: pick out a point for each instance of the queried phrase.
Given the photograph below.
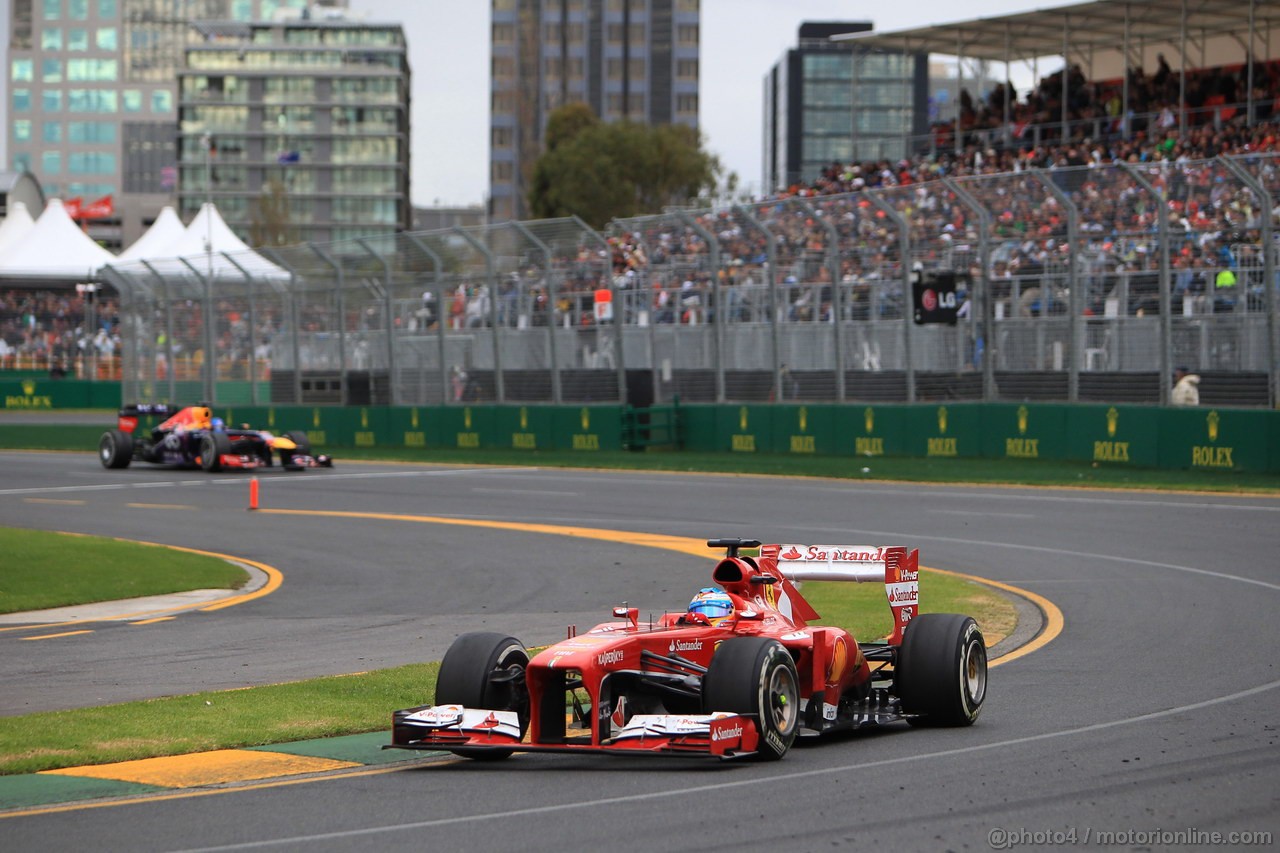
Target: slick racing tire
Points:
(212, 446)
(304, 449)
(941, 673)
(115, 449)
(756, 677)
(485, 670)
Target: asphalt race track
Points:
(1157, 709)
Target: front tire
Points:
(212, 446)
(756, 677)
(115, 449)
(941, 674)
(485, 670)
(303, 443)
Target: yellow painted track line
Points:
(52, 636)
(697, 547)
(58, 501)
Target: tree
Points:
(601, 171)
(271, 224)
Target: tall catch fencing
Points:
(1074, 284)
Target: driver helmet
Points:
(712, 602)
(218, 425)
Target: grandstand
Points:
(1096, 248)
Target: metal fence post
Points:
(295, 348)
(771, 252)
(1166, 297)
(837, 293)
(986, 303)
(1266, 236)
(904, 251)
(557, 393)
(438, 287)
(499, 386)
(717, 336)
(1075, 305)
(389, 321)
(209, 370)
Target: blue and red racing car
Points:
(191, 437)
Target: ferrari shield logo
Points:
(364, 419)
(466, 417)
(1023, 416)
(869, 419)
(524, 418)
(804, 418)
(586, 419)
(28, 387)
(413, 418)
(742, 419)
(315, 418)
(1212, 421)
(1113, 417)
(942, 419)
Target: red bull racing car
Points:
(741, 673)
(191, 437)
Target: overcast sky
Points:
(741, 40)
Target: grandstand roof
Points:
(1093, 30)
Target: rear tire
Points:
(756, 677)
(941, 673)
(115, 449)
(485, 670)
(212, 446)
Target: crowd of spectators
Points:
(661, 267)
(56, 330)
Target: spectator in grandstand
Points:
(1186, 388)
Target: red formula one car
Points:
(191, 437)
(741, 673)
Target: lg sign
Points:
(934, 295)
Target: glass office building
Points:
(828, 102)
(297, 130)
(628, 59)
(93, 100)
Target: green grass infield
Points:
(44, 570)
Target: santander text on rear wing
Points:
(897, 567)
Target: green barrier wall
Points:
(1202, 437)
(34, 394)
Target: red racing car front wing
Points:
(450, 727)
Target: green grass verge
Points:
(45, 570)
(319, 707)
(1038, 472)
(363, 702)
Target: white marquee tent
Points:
(207, 248)
(163, 233)
(17, 223)
(54, 247)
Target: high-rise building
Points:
(92, 97)
(633, 60)
(828, 102)
(298, 130)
